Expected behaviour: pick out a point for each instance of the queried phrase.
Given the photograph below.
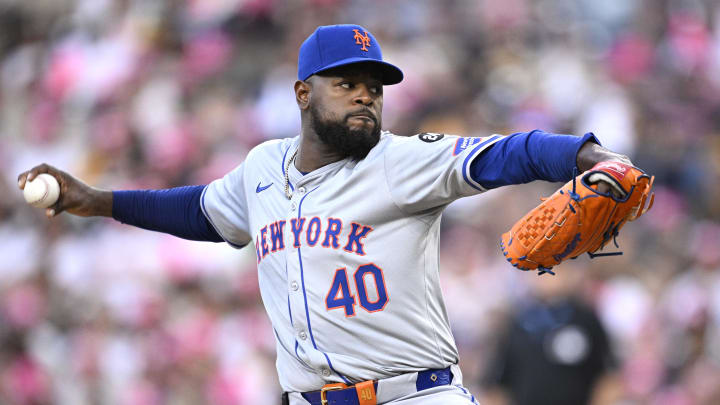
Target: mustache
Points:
(365, 112)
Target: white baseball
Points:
(42, 192)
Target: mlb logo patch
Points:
(463, 143)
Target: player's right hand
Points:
(76, 197)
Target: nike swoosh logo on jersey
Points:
(263, 188)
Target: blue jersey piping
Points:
(282, 168)
(471, 155)
(307, 312)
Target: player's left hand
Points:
(581, 217)
(591, 154)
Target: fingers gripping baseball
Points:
(29, 177)
(75, 197)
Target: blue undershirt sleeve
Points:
(175, 211)
(527, 156)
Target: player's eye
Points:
(376, 89)
(346, 85)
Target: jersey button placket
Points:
(294, 286)
(302, 335)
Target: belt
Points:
(364, 393)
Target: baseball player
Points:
(345, 222)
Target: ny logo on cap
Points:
(361, 39)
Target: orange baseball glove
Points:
(578, 218)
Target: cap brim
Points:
(391, 74)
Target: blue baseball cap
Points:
(338, 45)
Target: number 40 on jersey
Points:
(366, 276)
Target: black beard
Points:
(353, 143)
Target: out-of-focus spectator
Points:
(553, 348)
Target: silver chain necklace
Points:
(287, 175)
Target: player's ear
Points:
(302, 93)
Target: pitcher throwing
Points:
(345, 220)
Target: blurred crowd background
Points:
(153, 94)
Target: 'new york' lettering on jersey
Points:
(352, 256)
(329, 233)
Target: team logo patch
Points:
(361, 39)
(430, 137)
(464, 143)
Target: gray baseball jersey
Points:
(348, 267)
